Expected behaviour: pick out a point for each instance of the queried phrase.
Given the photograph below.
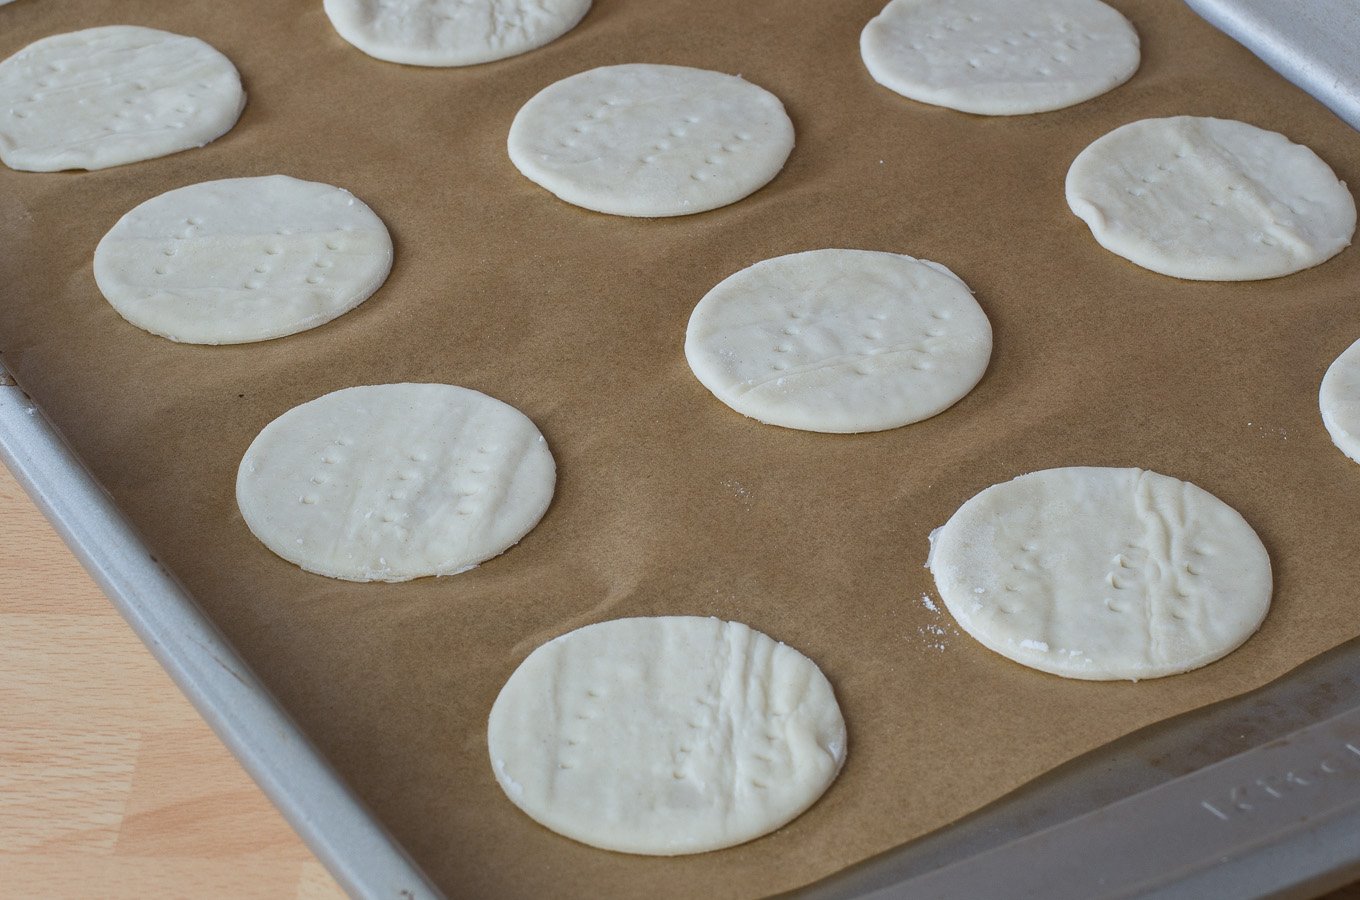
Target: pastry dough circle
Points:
(1000, 57)
(650, 140)
(1339, 400)
(1102, 574)
(452, 32)
(1210, 199)
(113, 95)
(392, 482)
(242, 259)
(665, 735)
(839, 340)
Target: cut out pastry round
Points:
(999, 57)
(1102, 574)
(452, 32)
(113, 95)
(1210, 199)
(666, 735)
(649, 140)
(839, 340)
(243, 259)
(1339, 400)
(392, 482)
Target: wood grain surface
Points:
(111, 786)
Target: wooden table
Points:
(111, 786)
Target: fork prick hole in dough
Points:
(371, 483)
(1240, 175)
(674, 115)
(931, 52)
(671, 783)
(853, 371)
(465, 33)
(1087, 511)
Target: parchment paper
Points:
(668, 502)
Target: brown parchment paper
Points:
(667, 501)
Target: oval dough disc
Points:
(1210, 199)
(665, 735)
(999, 57)
(1102, 573)
(452, 32)
(1340, 401)
(112, 95)
(392, 482)
(839, 340)
(243, 259)
(645, 140)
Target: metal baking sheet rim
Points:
(1279, 819)
(361, 856)
(1311, 44)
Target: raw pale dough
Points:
(1210, 199)
(839, 340)
(112, 95)
(1000, 57)
(1102, 573)
(665, 735)
(243, 259)
(452, 32)
(645, 140)
(1340, 401)
(395, 481)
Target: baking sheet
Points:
(1310, 44)
(668, 502)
